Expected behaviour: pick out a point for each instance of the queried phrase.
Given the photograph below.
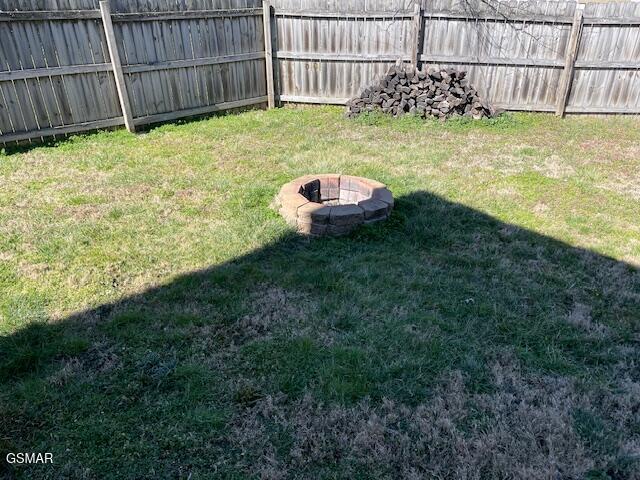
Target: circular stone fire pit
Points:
(333, 204)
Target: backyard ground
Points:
(159, 320)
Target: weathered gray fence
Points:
(607, 76)
(540, 55)
(169, 59)
(514, 51)
(326, 52)
(73, 65)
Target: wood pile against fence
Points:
(70, 65)
(424, 93)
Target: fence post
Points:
(123, 96)
(268, 51)
(417, 31)
(566, 80)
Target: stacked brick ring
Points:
(333, 204)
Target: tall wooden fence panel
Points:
(54, 70)
(540, 55)
(182, 58)
(514, 51)
(179, 58)
(72, 65)
(607, 69)
(327, 51)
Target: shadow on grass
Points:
(152, 382)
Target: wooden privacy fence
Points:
(73, 65)
(539, 55)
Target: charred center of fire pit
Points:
(333, 204)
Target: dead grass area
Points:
(525, 428)
(273, 309)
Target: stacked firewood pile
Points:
(439, 93)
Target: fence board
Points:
(191, 61)
(54, 72)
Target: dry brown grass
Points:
(271, 308)
(523, 429)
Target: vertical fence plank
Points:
(268, 51)
(105, 11)
(570, 59)
(417, 34)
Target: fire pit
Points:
(333, 204)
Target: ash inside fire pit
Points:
(333, 204)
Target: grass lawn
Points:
(159, 320)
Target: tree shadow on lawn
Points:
(277, 362)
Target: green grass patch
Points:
(156, 315)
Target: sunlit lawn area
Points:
(159, 320)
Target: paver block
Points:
(347, 182)
(314, 212)
(346, 215)
(311, 228)
(374, 208)
(384, 195)
(329, 193)
(311, 190)
(347, 196)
